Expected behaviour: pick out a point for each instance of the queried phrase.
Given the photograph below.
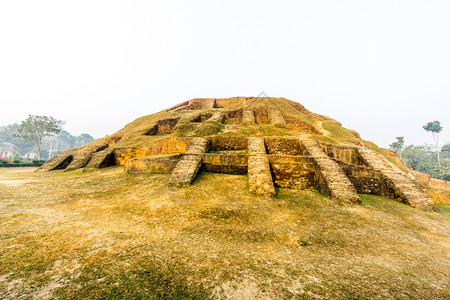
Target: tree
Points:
(34, 128)
(9, 140)
(445, 151)
(16, 157)
(67, 140)
(435, 127)
(398, 145)
(84, 139)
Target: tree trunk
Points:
(436, 141)
(39, 149)
(439, 162)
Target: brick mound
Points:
(276, 142)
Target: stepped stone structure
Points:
(333, 180)
(397, 184)
(278, 143)
(189, 164)
(259, 175)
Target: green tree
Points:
(417, 157)
(445, 163)
(445, 151)
(398, 145)
(16, 157)
(34, 128)
(424, 159)
(435, 127)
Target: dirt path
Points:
(321, 129)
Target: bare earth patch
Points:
(107, 234)
(8, 176)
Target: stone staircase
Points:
(79, 161)
(248, 116)
(259, 176)
(56, 160)
(396, 184)
(101, 159)
(277, 118)
(187, 168)
(217, 116)
(331, 179)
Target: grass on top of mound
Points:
(340, 133)
(132, 133)
(107, 234)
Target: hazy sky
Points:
(379, 67)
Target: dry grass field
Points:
(107, 234)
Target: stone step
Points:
(84, 155)
(59, 162)
(78, 162)
(397, 184)
(331, 179)
(187, 168)
(217, 117)
(256, 146)
(198, 146)
(185, 171)
(277, 118)
(248, 116)
(101, 159)
(259, 176)
(313, 149)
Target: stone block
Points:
(223, 143)
(283, 146)
(153, 164)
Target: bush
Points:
(38, 163)
(17, 165)
(11, 165)
(3, 162)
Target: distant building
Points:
(30, 155)
(6, 149)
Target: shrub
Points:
(38, 163)
(16, 165)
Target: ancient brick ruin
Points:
(276, 142)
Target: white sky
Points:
(381, 67)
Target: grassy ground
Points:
(106, 234)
